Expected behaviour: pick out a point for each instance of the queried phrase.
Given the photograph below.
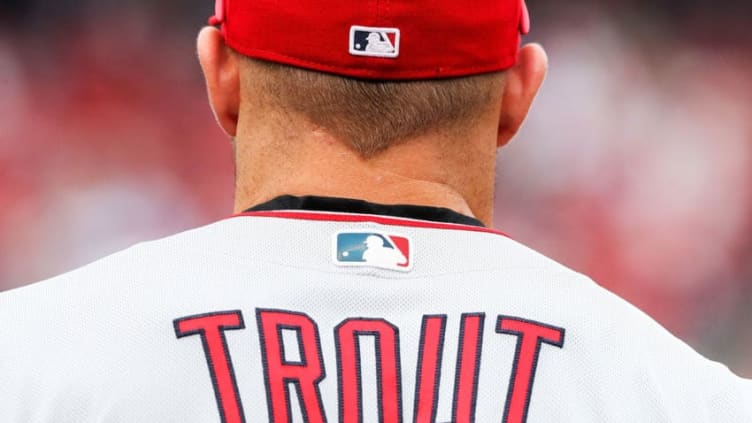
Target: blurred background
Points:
(635, 166)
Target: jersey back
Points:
(324, 317)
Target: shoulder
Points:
(627, 353)
(160, 267)
(120, 273)
(622, 350)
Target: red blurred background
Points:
(635, 166)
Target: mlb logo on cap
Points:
(374, 42)
(373, 249)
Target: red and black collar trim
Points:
(349, 210)
(346, 205)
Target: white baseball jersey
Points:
(388, 314)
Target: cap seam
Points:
(505, 62)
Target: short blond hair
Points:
(371, 116)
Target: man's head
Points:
(459, 88)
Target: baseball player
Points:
(281, 314)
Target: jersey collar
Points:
(346, 205)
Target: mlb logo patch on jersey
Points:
(373, 249)
(374, 42)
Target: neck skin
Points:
(282, 154)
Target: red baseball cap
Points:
(378, 39)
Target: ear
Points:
(222, 79)
(522, 84)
